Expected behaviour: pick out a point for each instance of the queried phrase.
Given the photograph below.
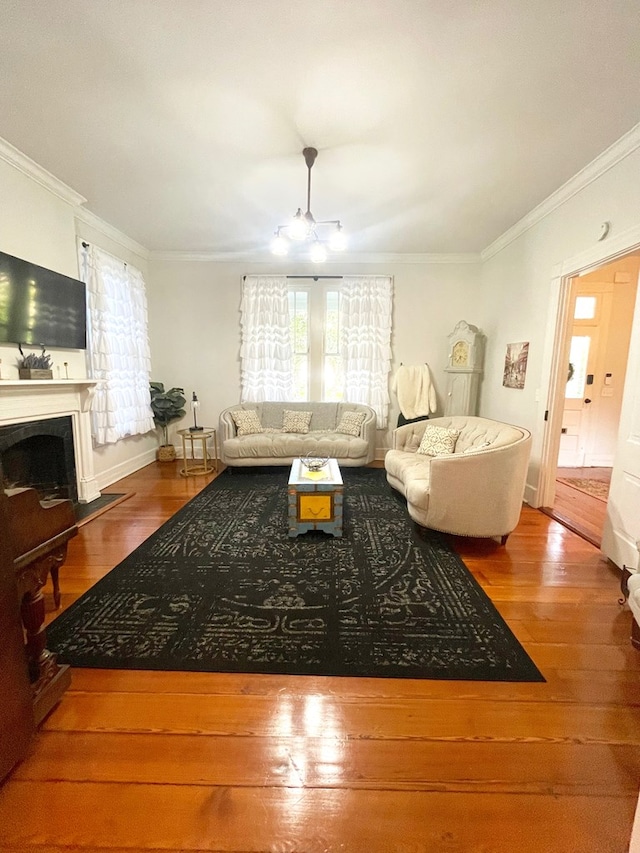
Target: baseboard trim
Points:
(130, 466)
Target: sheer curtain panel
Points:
(365, 317)
(266, 355)
(118, 346)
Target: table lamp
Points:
(194, 405)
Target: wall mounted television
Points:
(41, 307)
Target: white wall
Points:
(519, 302)
(195, 322)
(39, 226)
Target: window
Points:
(317, 341)
(118, 346)
(314, 312)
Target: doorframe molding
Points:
(558, 351)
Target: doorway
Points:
(600, 307)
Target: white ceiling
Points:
(439, 123)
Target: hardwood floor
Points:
(150, 761)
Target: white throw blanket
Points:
(414, 389)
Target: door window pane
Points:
(578, 358)
(585, 308)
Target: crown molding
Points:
(611, 156)
(32, 170)
(342, 261)
(110, 231)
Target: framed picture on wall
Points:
(515, 365)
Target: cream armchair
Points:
(476, 490)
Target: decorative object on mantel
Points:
(515, 365)
(167, 406)
(35, 366)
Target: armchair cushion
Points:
(438, 441)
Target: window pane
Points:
(332, 323)
(300, 378)
(299, 314)
(332, 378)
(585, 308)
(578, 357)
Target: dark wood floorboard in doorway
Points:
(580, 512)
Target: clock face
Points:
(460, 354)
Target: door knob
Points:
(587, 400)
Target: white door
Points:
(622, 525)
(585, 389)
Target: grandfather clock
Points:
(464, 369)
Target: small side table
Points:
(191, 464)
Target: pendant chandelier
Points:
(321, 236)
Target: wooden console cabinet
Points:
(40, 531)
(17, 721)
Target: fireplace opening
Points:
(40, 455)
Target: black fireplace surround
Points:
(39, 454)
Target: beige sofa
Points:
(476, 490)
(275, 447)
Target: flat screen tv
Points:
(40, 307)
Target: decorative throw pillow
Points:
(247, 421)
(351, 423)
(438, 441)
(295, 421)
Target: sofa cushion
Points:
(438, 441)
(398, 463)
(324, 415)
(281, 445)
(247, 421)
(351, 423)
(295, 421)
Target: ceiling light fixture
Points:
(319, 235)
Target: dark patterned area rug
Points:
(220, 587)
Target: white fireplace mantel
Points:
(24, 400)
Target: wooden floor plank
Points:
(469, 766)
(190, 817)
(335, 717)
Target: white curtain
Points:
(365, 317)
(118, 346)
(266, 354)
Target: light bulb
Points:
(279, 245)
(299, 227)
(318, 252)
(338, 240)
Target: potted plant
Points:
(34, 366)
(167, 406)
